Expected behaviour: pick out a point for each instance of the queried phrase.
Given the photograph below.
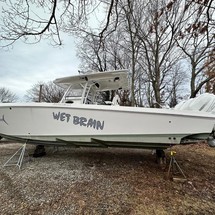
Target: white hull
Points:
(97, 125)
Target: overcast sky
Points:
(25, 65)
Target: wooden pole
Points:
(40, 92)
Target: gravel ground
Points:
(107, 181)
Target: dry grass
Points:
(107, 181)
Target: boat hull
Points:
(105, 126)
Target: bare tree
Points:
(196, 40)
(6, 96)
(49, 93)
(138, 35)
(210, 72)
(32, 21)
(108, 55)
(144, 43)
(47, 19)
(92, 55)
(157, 25)
(175, 90)
(197, 52)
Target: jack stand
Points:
(173, 167)
(21, 153)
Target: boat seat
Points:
(73, 99)
(116, 100)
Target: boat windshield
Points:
(82, 94)
(75, 93)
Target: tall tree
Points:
(210, 72)
(108, 55)
(196, 40)
(144, 42)
(157, 24)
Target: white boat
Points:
(80, 120)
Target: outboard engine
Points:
(211, 141)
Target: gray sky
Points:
(25, 65)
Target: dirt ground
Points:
(107, 181)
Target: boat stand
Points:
(175, 169)
(17, 161)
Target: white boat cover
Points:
(205, 102)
